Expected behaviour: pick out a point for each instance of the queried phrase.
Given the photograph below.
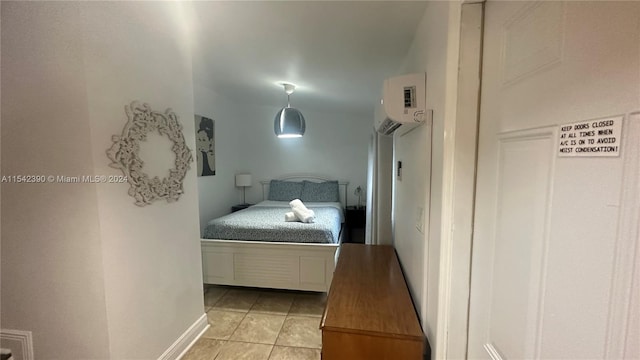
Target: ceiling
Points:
(336, 53)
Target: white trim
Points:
(180, 347)
(627, 252)
(458, 188)
(25, 339)
(439, 345)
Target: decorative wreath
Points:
(124, 154)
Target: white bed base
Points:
(295, 266)
(276, 265)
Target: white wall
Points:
(152, 254)
(217, 193)
(422, 178)
(335, 145)
(52, 273)
(91, 274)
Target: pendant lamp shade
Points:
(289, 122)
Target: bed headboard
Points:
(342, 185)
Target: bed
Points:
(256, 247)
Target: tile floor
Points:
(260, 324)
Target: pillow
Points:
(324, 191)
(285, 190)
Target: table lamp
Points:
(243, 180)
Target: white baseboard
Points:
(186, 340)
(23, 339)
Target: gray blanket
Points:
(261, 223)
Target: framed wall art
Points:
(205, 146)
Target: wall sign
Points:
(592, 138)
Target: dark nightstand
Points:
(235, 208)
(356, 220)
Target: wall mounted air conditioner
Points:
(403, 103)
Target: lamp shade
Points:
(289, 122)
(243, 180)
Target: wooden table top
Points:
(369, 295)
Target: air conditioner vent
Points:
(388, 127)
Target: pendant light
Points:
(289, 122)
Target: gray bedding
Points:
(265, 223)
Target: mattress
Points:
(265, 222)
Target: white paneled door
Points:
(555, 264)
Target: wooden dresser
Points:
(369, 313)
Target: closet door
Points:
(555, 264)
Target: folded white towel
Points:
(302, 212)
(290, 216)
(297, 203)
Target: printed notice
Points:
(593, 138)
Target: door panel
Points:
(553, 256)
(525, 163)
